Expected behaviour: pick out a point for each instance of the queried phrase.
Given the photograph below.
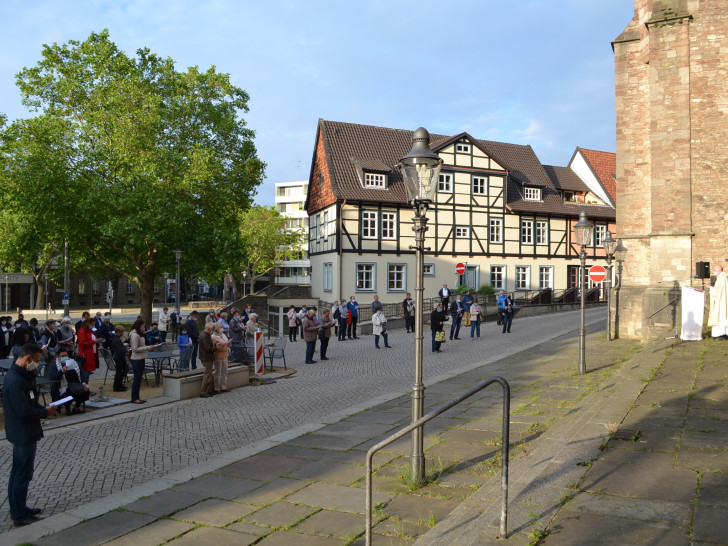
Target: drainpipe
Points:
(341, 246)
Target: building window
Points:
(429, 270)
(495, 231)
(81, 287)
(532, 194)
(445, 183)
(600, 232)
(462, 232)
(542, 233)
(389, 229)
(545, 277)
(325, 227)
(375, 181)
(462, 148)
(369, 224)
(365, 277)
(328, 277)
(396, 277)
(480, 185)
(522, 277)
(527, 232)
(95, 287)
(497, 276)
(129, 287)
(156, 288)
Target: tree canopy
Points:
(137, 159)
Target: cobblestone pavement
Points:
(85, 462)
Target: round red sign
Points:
(460, 269)
(597, 273)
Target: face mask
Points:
(184, 332)
(32, 366)
(64, 359)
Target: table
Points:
(158, 359)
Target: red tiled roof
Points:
(605, 167)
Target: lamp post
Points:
(178, 255)
(610, 245)
(420, 170)
(620, 252)
(582, 236)
(45, 278)
(7, 294)
(245, 275)
(66, 280)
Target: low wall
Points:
(184, 385)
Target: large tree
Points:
(154, 159)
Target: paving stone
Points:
(652, 439)
(249, 528)
(384, 540)
(449, 479)
(679, 513)
(711, 524)
(213, 485)
(165, 502)
(377, 417)
(419, 509)
(158, 532)
(262, 467)
(329, 472)
(638, 480)
(281, 514)
(286, 538)
(458, 494)
(714, 489)
(331, 523)
(215, 512)
(353, 429)
(707, 437)
(325, 441)
(311, 453)
(628, 456)
(336, 497)
(216, 536)
(641, 417)
(403, 529)
(702, 459)
(460, 452)
(99, 530)
(274, 490)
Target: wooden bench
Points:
(187, 384)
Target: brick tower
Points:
(671, 68)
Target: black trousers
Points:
(323, 346)
(121, 371)
(351, 328)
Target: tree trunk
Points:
(40, 293)
(147, 293)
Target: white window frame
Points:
(463, 148)
(400, 272)
(526, 232)
(389, 225)
(480, 185)
(523, 277)
(129, 287)
(81, 287)
(156, 287)
(429, 270)
(550, 270)
(600, 232)
(96, 287)
(326, 226)
(361, 267)
(531, 194)
(542, 232)
(498, 276)
(375, 181)
(495, 223)
(462, 232)
(369, 220)
(444, 183)
(328, 280)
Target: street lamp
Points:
(420, 170)
(178, 255)
(45, 278)
(582, 236)
(610, 245)
(7, 294)
(245, 275)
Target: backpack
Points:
(337, 313)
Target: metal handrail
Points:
(441, 409)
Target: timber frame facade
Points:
(498, 210)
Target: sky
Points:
(538, 72)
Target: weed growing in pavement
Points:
(565, 497)
(432, 475)
(584, 463)
(536, 535)
(707, 430)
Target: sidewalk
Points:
(308, 488)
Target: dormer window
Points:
(375, 181)
(462, 148)
(532, 194)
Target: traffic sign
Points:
(65, 298)
(597, 273)
(460, 269)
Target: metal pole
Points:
(45, 278)
(7, 294)
(582, 340)
(176, 282)
(417, 458)
(609, 305)
(66, 280)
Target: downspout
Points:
(341, 245)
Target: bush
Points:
(462, 289)
(486, 290)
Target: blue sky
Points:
(538, 72)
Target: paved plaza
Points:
(284, 462)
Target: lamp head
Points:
(583, 230)
(420, 169)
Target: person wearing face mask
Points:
(66, 335)
(23, 415)
(62, 369)
(49, 340)
(6, 332)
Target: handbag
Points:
(440, 336)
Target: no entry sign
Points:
(460, 269)
(597, 273)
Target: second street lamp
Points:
(178, 255)
(420, 171)
(610, 245)
(582, 236)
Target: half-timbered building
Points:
(497, 210)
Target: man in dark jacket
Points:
(437, 322)
(194, 334)
(207, 356)
(23, 414)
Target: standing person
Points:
(456, 311)
(98, 320)
(211, 316)
(324, 333)
(343, 315)
(49, 340)
(353, 307)
(236, 328)
(185, 349)
(408, 307)
(335, 316)
(476, 314)
(310, 332)
(207, 356)
(444, 296)
(118, 353)
(175, 319)
(66, 335)
(292, 323)
(84, 316)
(222, 321)
(194, 333)
(508, 310)
(23, 429)
(107, 329)
(437, 322)
(251, 328)
(138, 356)
(718, 315)
(163, 322)
(21, 336)
(376, 304)
(303, 313)
(467, 302)
(5, 333)
(220, 362)
(501, 301)
(87, 347)
(379, 328)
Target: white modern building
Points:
(290, 201)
